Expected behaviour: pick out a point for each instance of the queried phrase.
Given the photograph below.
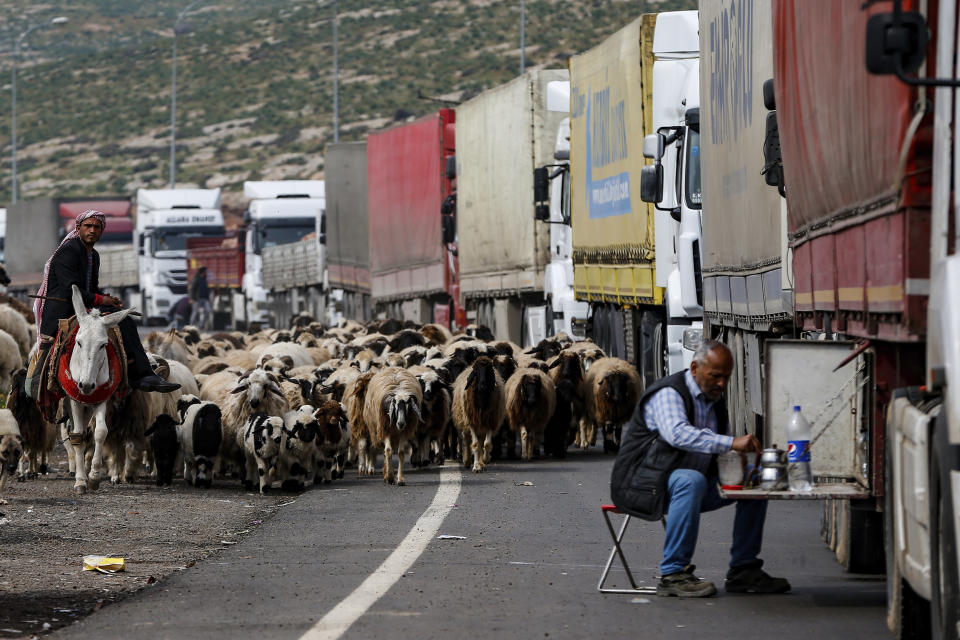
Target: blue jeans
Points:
(691, 493)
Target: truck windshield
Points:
(284, 231)
(175, 238)
(694, 195)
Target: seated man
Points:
(76, 262)
(692, 486)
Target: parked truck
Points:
(748, 282)
(166, 218)
(506, 248)
(637, 264)
(867, 242)
(36, 227)
(348, 253)
(280, 212)
(413, 255)
(869, 165)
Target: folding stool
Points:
(607, 509)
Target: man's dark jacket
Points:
(638, 484)
(68, 267)
(199, 289)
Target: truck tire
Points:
(861, 536)
(651, 348)
(908, 615)
(944, 583)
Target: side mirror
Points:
(896, 45)
(541, 184)
(653, 146)
(451, 167)
(448, 226)
(541, 212)
(651, 181)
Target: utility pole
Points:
(173, 97)
(336, 79)
(523, 35)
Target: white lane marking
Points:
(341, 617)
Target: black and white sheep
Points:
(298, 449)
(201, 437)
(260, 441)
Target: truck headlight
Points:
(692, 338)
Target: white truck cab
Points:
(563, 311)
(672, 183)
(165, 219)
(280, 212)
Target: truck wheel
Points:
(945, 590)
(651, 348)
(862, 537)
(908, 615)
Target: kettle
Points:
(773, 469)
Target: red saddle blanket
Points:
(57, 382)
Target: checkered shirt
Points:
(666, 414)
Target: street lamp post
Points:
(173, 97)
(13, 97)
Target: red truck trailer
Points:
(869, 161)
(225, 260)
(413, 250)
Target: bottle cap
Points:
(796, 407)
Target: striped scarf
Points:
(42, 291)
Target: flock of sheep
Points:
(295, 406)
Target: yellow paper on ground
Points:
(103, 564)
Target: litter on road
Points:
(103, 564)
(449, 537)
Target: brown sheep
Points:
(333, 439)
(478, 410)
(354, 398)
(530, 402)
(611, 388)
(392, 413)
(436, 334)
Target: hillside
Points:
(255, 96)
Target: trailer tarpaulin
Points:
(841, 128)
(348, 249)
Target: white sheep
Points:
(10, 360)
(16, 325)
(11, 448)
(392, 413)
(297, 352)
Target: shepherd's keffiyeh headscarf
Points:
(42, 291)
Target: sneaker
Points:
(684, 584)
(750, 578)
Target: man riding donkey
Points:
(76, 262)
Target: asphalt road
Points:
(527, 568)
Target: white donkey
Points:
(89, 369)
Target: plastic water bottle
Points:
(798, 452)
